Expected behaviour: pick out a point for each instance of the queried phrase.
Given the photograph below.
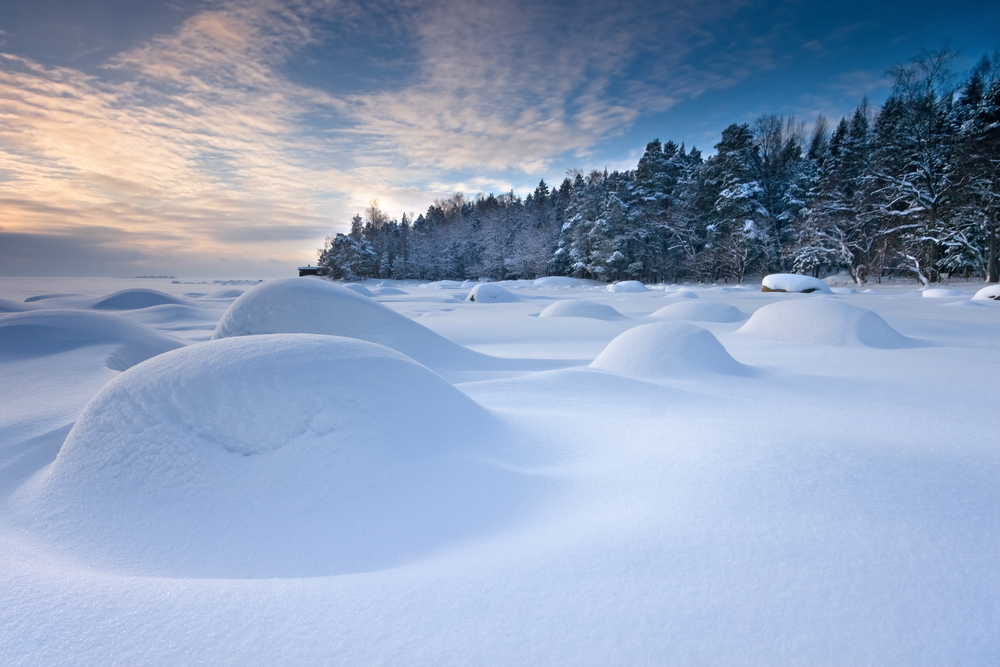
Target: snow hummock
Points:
(134, 299)
(47, 332)
(823, 322)
(360, 289)
(793, 282)
(562, 281)
(991, 292)
(682, 294)
(941, 293)
(490, 293)
(318, 306)
(270, 455)
(627, 286)
(700, 311)
(667, 350)
(581, 308)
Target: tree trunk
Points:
(991, 265)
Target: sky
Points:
(221, 139)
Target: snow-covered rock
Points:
(682, 294)
(793, 282)
(490, 293)
(991, 292)
(667, 350)
(627, 286)
(134, 299)
(389, 291)
(581, 308)
(561, 281)
(700, 311)
(823, 322)
(318, 306)
(941, 293)
(270, 456)
(45, 332)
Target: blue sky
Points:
(227, 139)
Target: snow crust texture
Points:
(823, 322)
(581, 308)
(666, 350)
(262, 456)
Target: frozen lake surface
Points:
(553, 472)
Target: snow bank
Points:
(940, 293)
(44, 332)
(793, 282)
(700, 311)
(667, 350)
(490, 293)
(134, 299)
(318, 306)
(627, 286)
(581, 308)
(823, 322)
(991, 292)
(360, 289)
(270, 456)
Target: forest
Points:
(908, 189)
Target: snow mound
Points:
(490, 293)
(667, 350)
(581, 308)
(389, 291)
(360, 289)
(225, 294)
(843, 290)
(941, 293)
(43, 332)
(43, 297)
(627, 286)
(134, 299)
(445, 284)
(823, 322)
(270, 456)
(991, 292)
(682, 294)
(793, 282)
(317, 306)
(561, 281)
(700, 311)
(7, 306)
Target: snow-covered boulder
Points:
(134, 299)
(43, 332)
(317, 306)
(360, 289)
(627, 286)
(793, 282)
(823, 322)
(991, 292)
(666, 350)
(700, 311)
(490, 293)
(281, 455)
(561, 281)
(941, 293)
(682, 294)
(581, 308)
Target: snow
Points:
(941, 293)
(823, 323)
(627, 286)
(360, 289)
(813, 485)
(581, 308)
(667, 350)
(991, 292)
(490, 293)
(700, 311)
(793, 282)
(133, 299)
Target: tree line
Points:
(911, 188)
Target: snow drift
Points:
(626, 286)
(581, 308)
(941, 293)
(490, 293)
(700, 311)
(360, 289)
(134, 299)
(44, 332)
(318, 306)
(666, 350)
(270, 456)
(823, 322)
(793, 282)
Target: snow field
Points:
(634, 496)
